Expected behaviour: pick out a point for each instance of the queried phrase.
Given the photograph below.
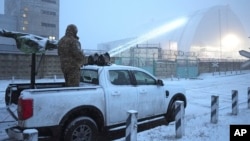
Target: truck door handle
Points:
(167, 94)
(116, 93)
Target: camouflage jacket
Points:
(69, 50)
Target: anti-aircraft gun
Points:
(33, 44)
(29, 44)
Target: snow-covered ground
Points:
(198, 111)
(197, 114)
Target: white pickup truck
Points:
(99, 104)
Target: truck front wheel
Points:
(81, 129)
(170, 116)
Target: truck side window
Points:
(89, 76)
(119, 77)
(144, 79)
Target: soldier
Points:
(71, 56)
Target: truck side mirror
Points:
(160, 82)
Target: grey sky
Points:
(1, 6)
(108, 20)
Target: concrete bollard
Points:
(234, 102)
(30, 135)
(248, 97)
(214, 108)
(131, 126)
(179, 119)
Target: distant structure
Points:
(215, 32)
(39, 17)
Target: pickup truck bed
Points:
(14, 90)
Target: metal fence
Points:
(182, 67)
(162, 63)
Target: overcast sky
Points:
(101, 21)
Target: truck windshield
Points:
(89, 76)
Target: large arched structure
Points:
(215, 32)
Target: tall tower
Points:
(40, 17)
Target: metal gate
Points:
(187, 68)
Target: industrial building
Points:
(39, 17)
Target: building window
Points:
(24, 15)
(48, 12)
(48, 25)
(25, 22)
(26, 9)
(50, 1)
(23, 28)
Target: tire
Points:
(171, 112)
(170, 116)
(81, 129)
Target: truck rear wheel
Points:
(81, 129)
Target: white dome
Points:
(216, 31)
